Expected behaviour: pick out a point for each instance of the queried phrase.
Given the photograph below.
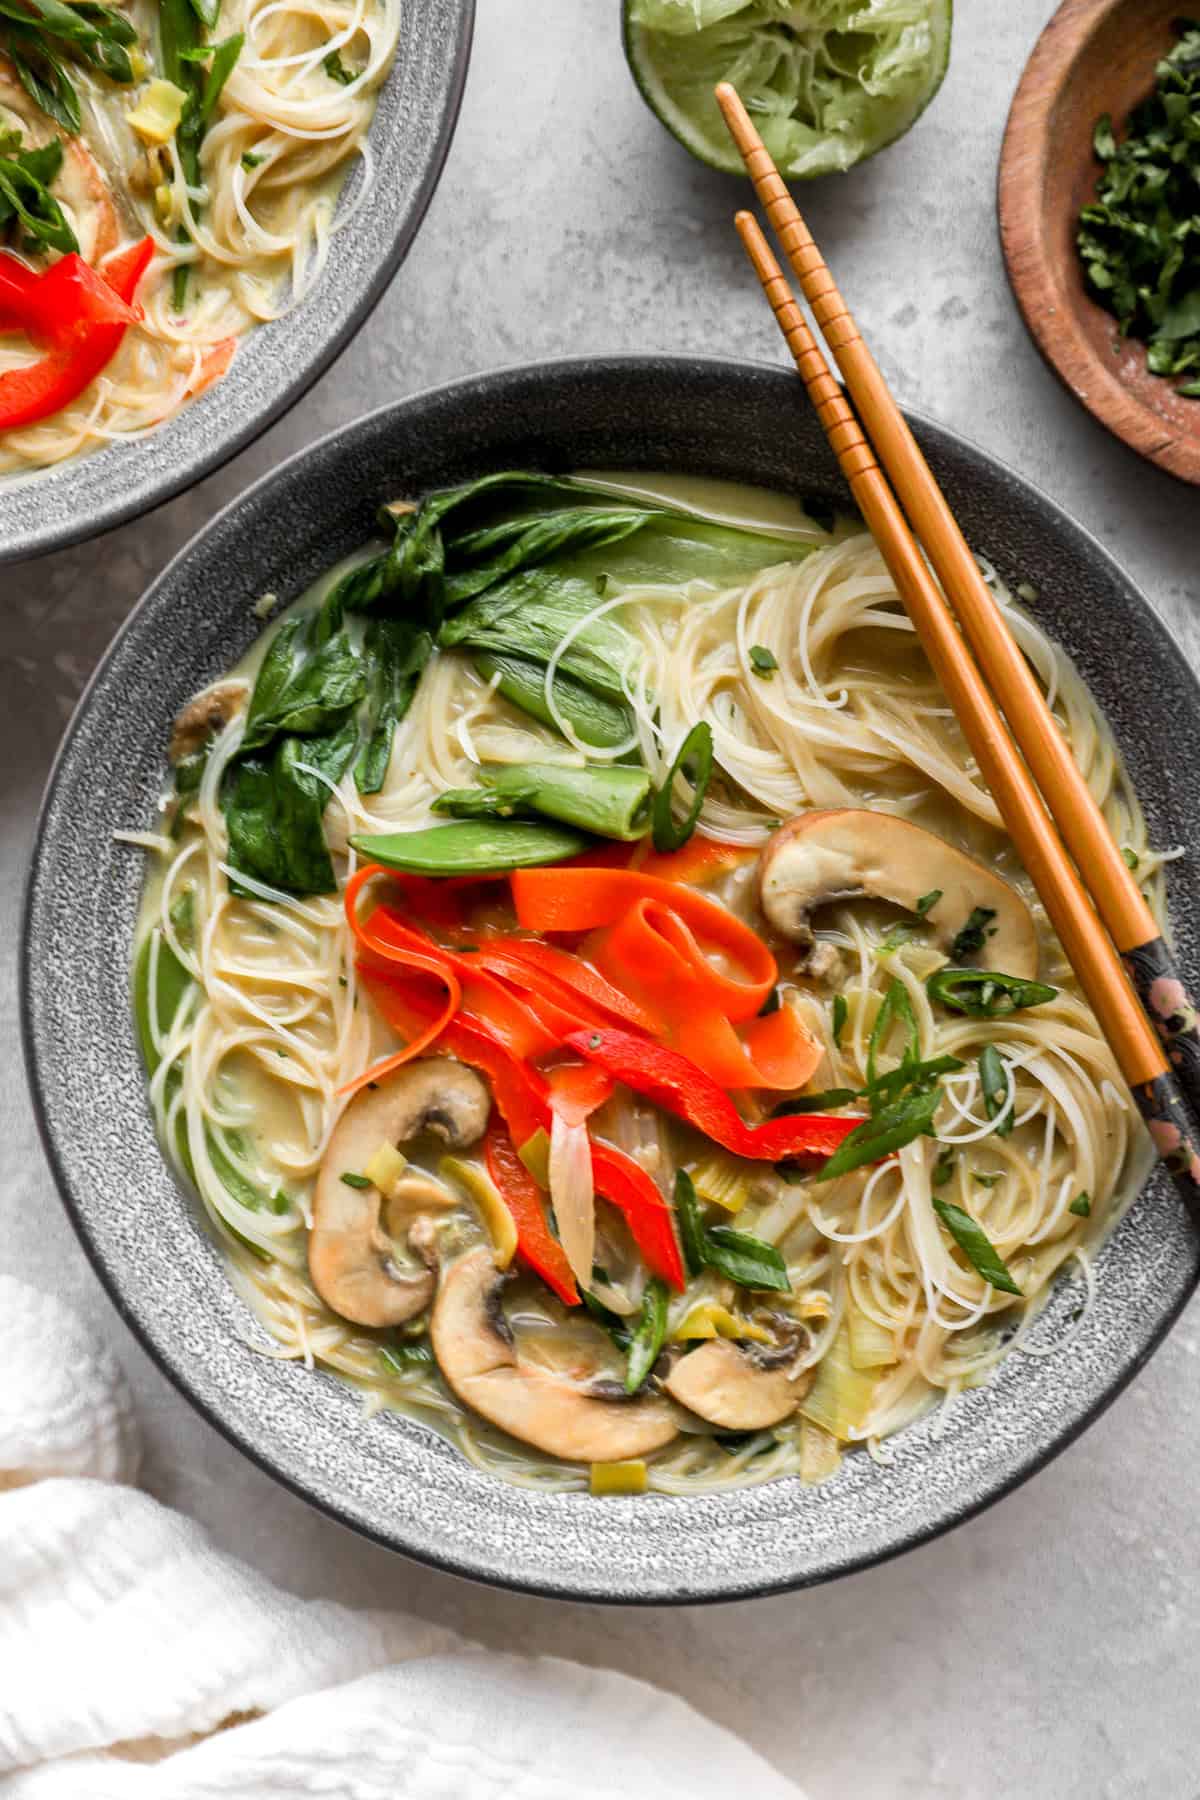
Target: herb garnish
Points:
(970, 938)
(336, 69)
(1081, 1206)
(695, 758)
(762, 661)
(928, 901)
(737, 1255)
(355, 1181)
(838, 1022)
(1138, 240)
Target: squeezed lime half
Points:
(827, 82)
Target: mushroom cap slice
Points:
(854, 853)
(481, 1361)
(733, 1386)
(350, 1256)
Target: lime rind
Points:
(827, 82)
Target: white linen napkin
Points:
(138, 1663)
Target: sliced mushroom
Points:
(478, 1355)
(80, 186)
(739, 1387)
(851, 854)
(351, 1257)
(203, 717)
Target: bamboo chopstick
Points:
(1125, 1025)
(1118, 899)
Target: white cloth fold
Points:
(138, 1663)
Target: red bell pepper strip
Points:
(689, 962)
(33, 393)
(627, 1186)
(523, 1099)
(577, 1090)
(678, 1086)
(522, 1196)
(51, 307)
(18, 286)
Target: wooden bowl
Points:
(1095, 56)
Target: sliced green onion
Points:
(993, 1082)
(976, 1246)
(648, 1337)
(697, 750)
(691, 1225)
(885, 1131)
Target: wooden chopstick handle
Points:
(1121, 903)
(1124, 1023)
(855, 456)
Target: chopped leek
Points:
(820, 1454)
(535, 1154)
(724, 1182)
(156, 116)
(385, 1168)
(841, 1397)
(489, 1202)
(872, 1346)
(617, 1478)
(709, 1319)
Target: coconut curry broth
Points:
(260, 1097)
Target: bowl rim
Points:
(1026, 1464)
(1035, 275)
(64, 529)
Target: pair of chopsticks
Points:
(1106, 929)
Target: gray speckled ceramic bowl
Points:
(410, 135)
(394, 1480)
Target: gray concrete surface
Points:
(1047, 1649)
